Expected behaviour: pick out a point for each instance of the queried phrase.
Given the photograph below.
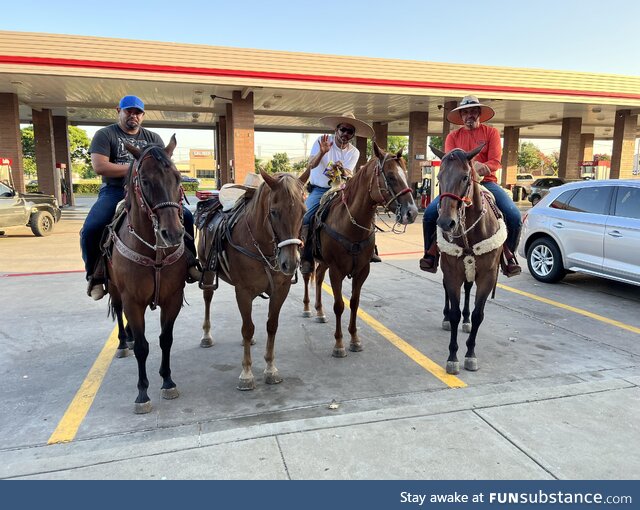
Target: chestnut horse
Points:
(346, 235)
(258, 256)
(148, 266)
(471, 233)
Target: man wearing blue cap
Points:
(110, 159)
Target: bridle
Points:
(379, 172)
(143, 202)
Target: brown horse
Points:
(259, 255)
(346, 235)
(148, 266)
(471, 233)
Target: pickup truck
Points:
(36, 210)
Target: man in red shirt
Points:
(470, 115)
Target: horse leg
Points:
(306, 311)
(116, 305)
(168, 317)
(466, 323)
(135, 316)
(356, 287)
(446, 323)
(207, 295)
(321, 269)
(271, 375)
(245, 302)
(453, 293)
(483, 289)
(338, 309)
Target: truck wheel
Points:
(545, 261)
(42, 223)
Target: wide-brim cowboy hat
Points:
(486, 112)
(362, 128)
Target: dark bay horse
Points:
(148, 266)
(346, 235)
(258, 256)
(471, 233)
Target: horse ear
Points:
(268, 178)
(474, 152)
(133, 150)
(172, 145)
(377, 151)
(399, 153)
(437, 152)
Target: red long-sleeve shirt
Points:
(469, 139)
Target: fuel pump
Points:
(429, 188)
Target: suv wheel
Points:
(545, 261)
(42, 223)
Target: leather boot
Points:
(375, 257)
(95, 288)
(194, 270)
(509, 263)
(429, 262)
(306, 263)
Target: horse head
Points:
(393, 185)
(284, 216)
(456, 185)
(154, 191)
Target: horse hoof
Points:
(123, 353)
(206, 342)
(130, 345)
(321, 318)
(246, 384)
(356, 347)
(446, 325)
(466, 327)
(169, 393)
(471, 364)
(453, 367)
(339, 353)
(142, 408)
(272, 379)
(306, 314)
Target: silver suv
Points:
(587, 226)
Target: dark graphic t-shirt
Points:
(109, 141)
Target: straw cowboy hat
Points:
(362, 128)
(486, 112)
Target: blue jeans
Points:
(512, 217)
(313, 202)
(101, 214)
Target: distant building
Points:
(201, 164)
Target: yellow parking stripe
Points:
(573, 309)
(79, 407)
(430, 366)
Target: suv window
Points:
(594, 200)
(562, 201)
(628, 202)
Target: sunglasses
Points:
(347, 131)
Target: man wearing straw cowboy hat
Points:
(470, 115)
(327, 151)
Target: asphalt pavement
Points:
(556, 396)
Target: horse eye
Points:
(273, 212)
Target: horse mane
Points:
(358, 179)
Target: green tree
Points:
(301, 166)
(28, 143)
(529, 157)
(393, 145)
(280, 163)
(437, 142)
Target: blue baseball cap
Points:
(131, 102)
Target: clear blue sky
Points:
(575, 35)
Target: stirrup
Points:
(95, 289)
(375, 258)
(429, 263)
